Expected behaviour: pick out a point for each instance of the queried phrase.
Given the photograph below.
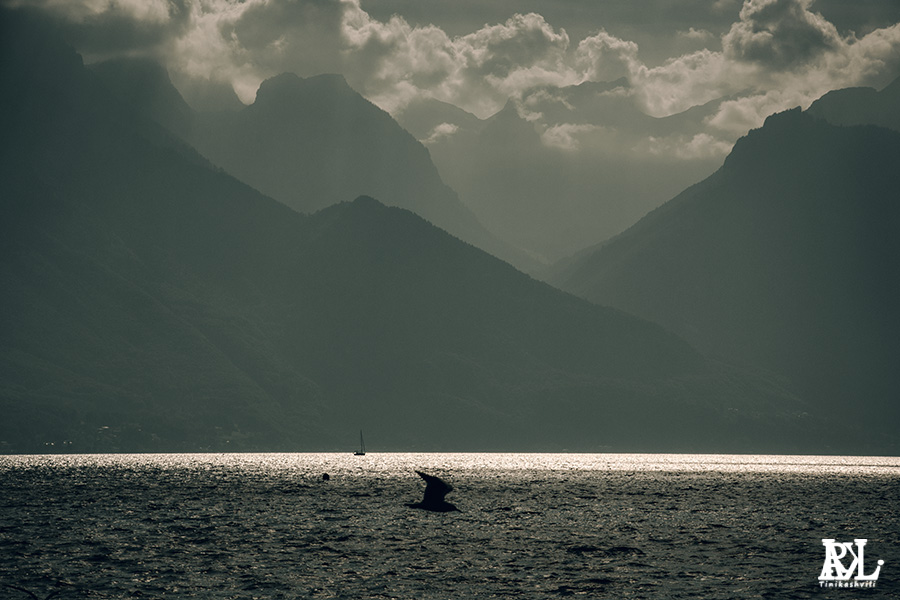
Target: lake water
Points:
(533, 526)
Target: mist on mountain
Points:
(561, 168)
(783, 259)
(152, 301)
(308, 143)
(860, 106)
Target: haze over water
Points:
(532, 526)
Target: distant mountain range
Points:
(562, 168)
(151, 301)
(309, 143)
(860, 106)
(785, 259)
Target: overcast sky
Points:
(676, 53)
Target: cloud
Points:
(246, 42)
(687, 81)
(603, 57)
(567, 136)
(394, 61)
(738, 116)
(146, 11)
(700, 146)
(792, 56)
(697, 35)
(871, 60)
(778, 54)
(113, 27)
(781, 34)
(440, 132)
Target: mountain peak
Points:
(278, 86)
(290, 85)
(860, 106)
(775, 142)
(788, 118)
(509, 111)
(364, 200)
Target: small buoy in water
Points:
(325, 476)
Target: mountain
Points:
(423, 116)
(308, 143)
(144, 85)
(784, 259)
(860, 106)
(562, 167)
(152, 302)
(314, 142)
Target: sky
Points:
(774, 53)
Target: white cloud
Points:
(440, 132)
(393, 62)
(779, 53)
(566, 136)
(687, 81)
(795, 73)
(211, 49)
(701, 146)
(152, 11)
(603, 57)
(697, 35)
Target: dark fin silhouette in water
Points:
(435, 490)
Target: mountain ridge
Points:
(307, 142)
(780, 259)
(860, 106)
(154, 303)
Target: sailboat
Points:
(362, 446)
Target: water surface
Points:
(532, 526)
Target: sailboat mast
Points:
(362, 446)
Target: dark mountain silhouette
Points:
(308, 143)
(784, 258)
(144, 85)
(314, 142)
(153, 302)
(860, 106)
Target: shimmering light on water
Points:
(532, 526)
(386, 463)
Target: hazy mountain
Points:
(151, 302)
(208, 95)
(144, 85)
(785, 258)
(561, 168)
(423, 118)
(309, 143)
(314, 142)
(861, 106)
